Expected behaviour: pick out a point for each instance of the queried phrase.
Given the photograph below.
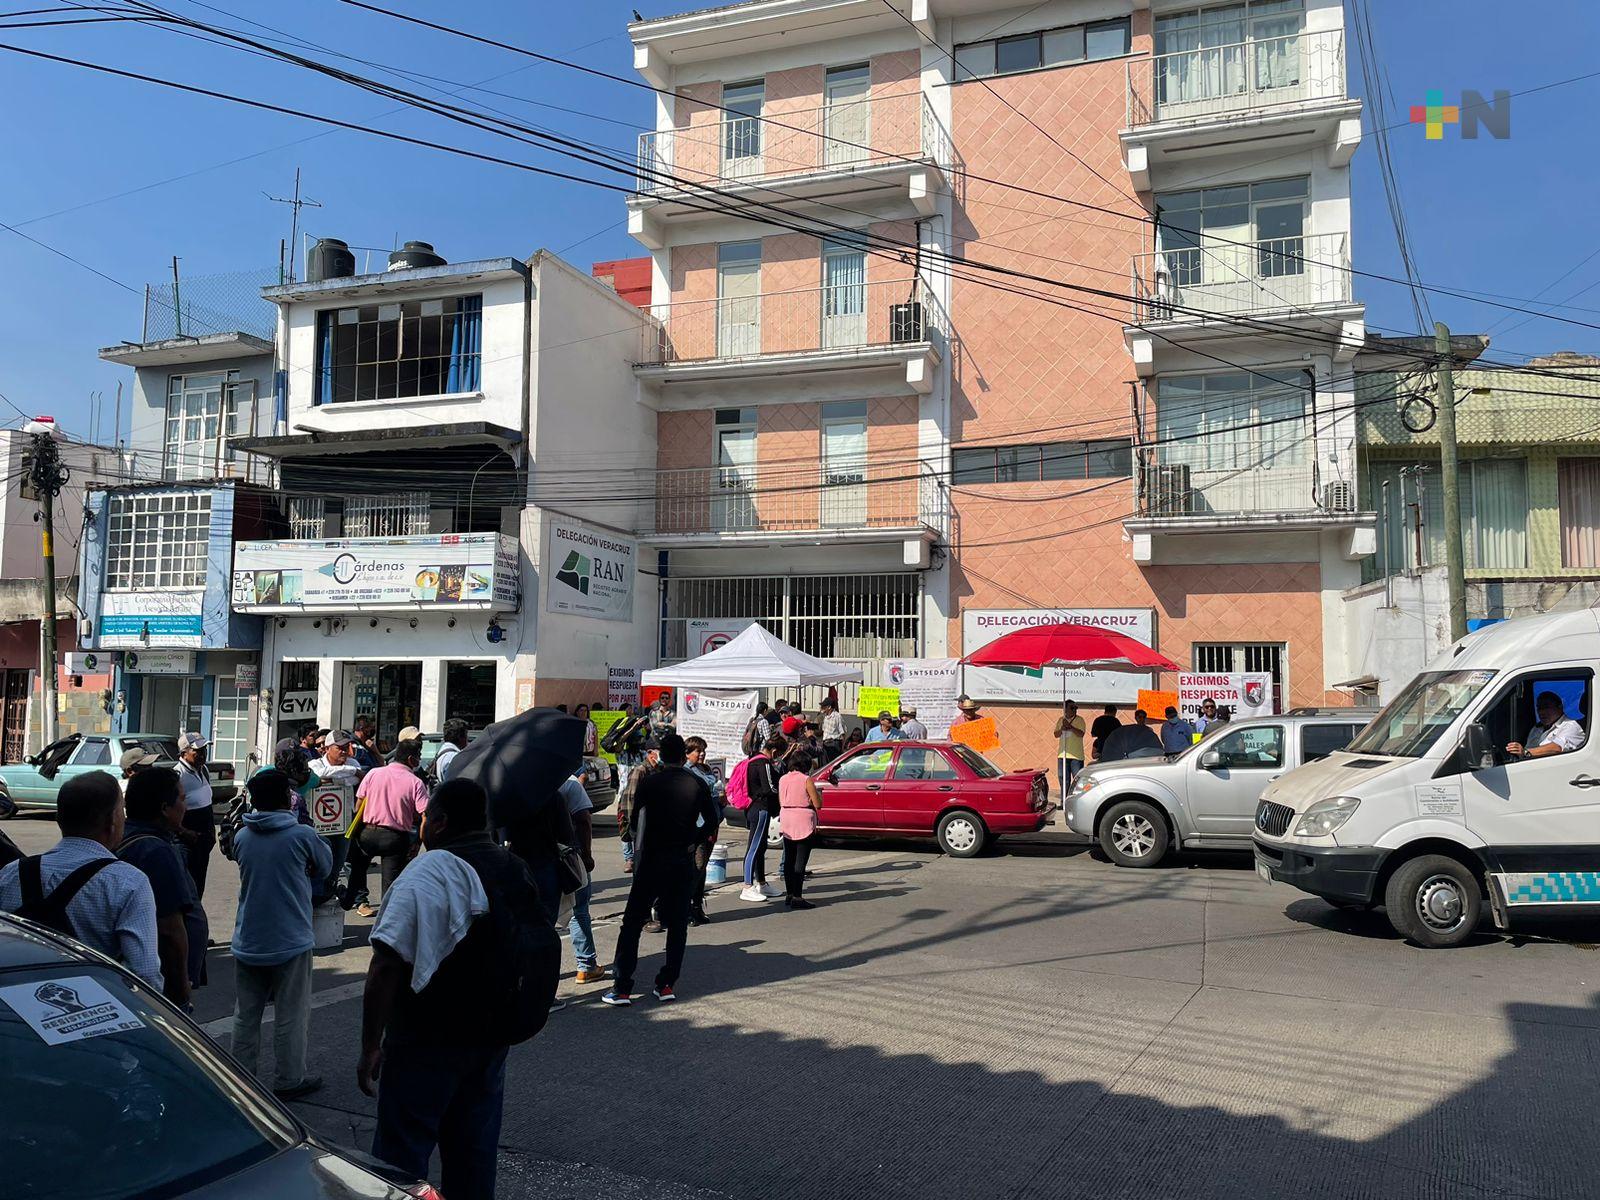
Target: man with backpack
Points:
(80, 888)
(463, 968)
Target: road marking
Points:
(336, 995)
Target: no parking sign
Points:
(331, 807)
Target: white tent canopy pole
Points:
(752, 659)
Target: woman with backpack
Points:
(760, 784)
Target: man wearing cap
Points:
(910, 728)
(133, 760)
(884, 730)
(199, 833)
(338, 765)
(969, 711)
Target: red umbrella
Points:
(1069, 645)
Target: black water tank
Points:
(413, 255)
(330, 259)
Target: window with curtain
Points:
(1205, 54)
(1494, 513)
(398, 350)
(1578, 498)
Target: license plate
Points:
(1261, 870)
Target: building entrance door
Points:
(14, 729)
(399, 700)
(469, 694)
(172, 705)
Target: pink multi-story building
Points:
(970, 311)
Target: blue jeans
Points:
(446, 1096)
(581, 930)
(1067, 769)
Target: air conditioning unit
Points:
(1170, 494)
(905, 322)
(1339, 496)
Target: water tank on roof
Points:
(414, 255)
(330, 259)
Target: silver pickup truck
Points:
(1140, 809)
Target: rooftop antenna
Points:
(296, 202)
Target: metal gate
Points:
(856, 619)
(14, 717)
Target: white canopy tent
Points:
(752, 659)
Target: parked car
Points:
(929, 789)
(599, 775)
(1141, 809)
(34, 782)
(128, 1097)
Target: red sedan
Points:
(920, 788)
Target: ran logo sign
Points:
(594, 571)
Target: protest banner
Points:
(1242, 693)
(1155, 704)
(981, 734)
(718, 715)
(622, 686)
(604, 719)
(875, 700)
(931, 686)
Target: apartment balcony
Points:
(874, 148)
(890, 334)
(1251, 491)
(1218, 99)
(1221, 289)
(827, 503)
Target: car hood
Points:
(303, 1172)
(1124, 767)
(1337, 775)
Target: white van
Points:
(1427, 813)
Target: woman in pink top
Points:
(798, 803)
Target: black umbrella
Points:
(522, 761)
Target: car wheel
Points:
(1434, 901)
(774, 836)
(961, 834)
(1134, 834)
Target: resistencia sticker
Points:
(69, 1010)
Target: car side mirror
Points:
(1477, 751)
(1210, 761)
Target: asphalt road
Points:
(1032, 1023)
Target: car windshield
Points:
(159, 746)
(149, 1110)
(981, 766)
(1413, 721)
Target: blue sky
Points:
(1486, 215)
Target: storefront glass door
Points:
(399, 700)
(469, 694)
(171, 704)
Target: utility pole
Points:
(48, 475)
(1450, 479)
(296, 204)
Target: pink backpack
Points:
(739, 786)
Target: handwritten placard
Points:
(981, 734)
(875, 700)
(1155, 704)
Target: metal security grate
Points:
(395, 514)
(1221, 658)
(1273, 819)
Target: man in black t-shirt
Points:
(1104, 726)
(673, 809)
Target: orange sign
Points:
(1155, 704)
(980, 734)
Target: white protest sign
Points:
(929, 685)
(69, 1009)
(719, 716)
(980, 626)
(622, 686)
(1242, 693)
(332, 807)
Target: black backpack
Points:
(524, 958)
(51, 911)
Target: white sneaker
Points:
(771, 891)
(753, 893)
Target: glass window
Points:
(1111, 458)
(194, 417)
(94, 752)
(1494, 516)
(1258, 747)
(923, 762)
(1107, 39)
(1578, 500)
(157, 540)
(394, 351)
(1513, 717)
(1017, 53)
(981, 766)
(155, 1110)
(1319, 741)
(869, 764)
(1409, 724)
(230, 732)
(974, 61)
(1063, 46)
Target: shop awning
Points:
(753, 659)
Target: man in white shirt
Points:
(1555, 733)
(913, 729)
